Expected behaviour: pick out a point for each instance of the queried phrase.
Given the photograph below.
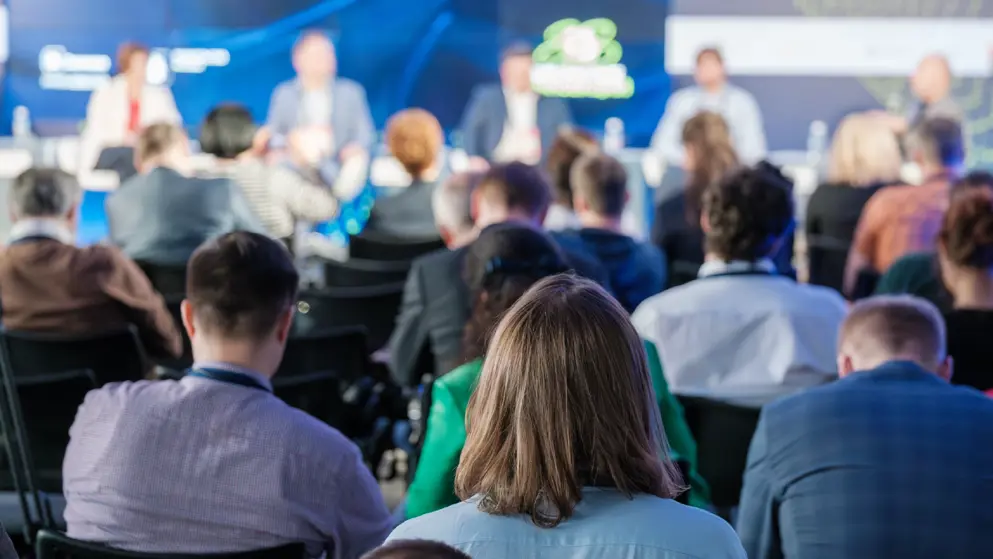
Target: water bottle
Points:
(816, 143)
(21, 122)
(613, 136)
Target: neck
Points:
(973, 290)
(246, 354)
(492, 217)
(931, 170)
(430, 174)
(312, 83)
(714, 87)
(593, 221)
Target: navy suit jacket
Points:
(486, 115)
(892, 462)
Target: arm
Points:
(362, 520)
(433, 487)
(409, 336)
(666, 141)
(749, 132)
(758, 524)
(365, 129)
(863, 251)
(170, 110)
(91, 141)
(305, 200)
(243, 215)
(472, 125)
(275, 119)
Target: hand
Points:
(260, 144)
(302, 150)
(351, 150)
(478, 164)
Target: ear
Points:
(285, 324)
(845, 365)
(946, 369)
(474, 201)
(579, 202)
(704, 222)
(186, 313)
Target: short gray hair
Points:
(889, 327)
(451, 201)
(940, 140)
(42, 192)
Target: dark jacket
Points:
(406, 214)
(486, 115)
(832, 214)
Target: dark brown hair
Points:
(564, 401)
(518, 186)
(967, 229)
(415, 549)
(125, 52)
(500, 265)
(709, 51)
(748, 213)
(569, 144)
(415, 138)
(157, 139)
(707, 134)
(602, 181)
(240, 283)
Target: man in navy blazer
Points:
(889, 461)
(321, 108)
(508, 121)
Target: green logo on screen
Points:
(581, 59)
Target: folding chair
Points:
(56, 545)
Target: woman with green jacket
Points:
(500, 266)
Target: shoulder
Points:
(349, 87)
(890, 192)
(119, 395)
(285, 88)
(104, 257)
(742, 95)
(487, 91)
(460, 379)
(443, 525)
(683, 95)
(439, 259)
(825, 297)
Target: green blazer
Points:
(433, 487)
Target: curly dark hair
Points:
(566, 149)
(500, 266)
(967, 229)
(748, 213)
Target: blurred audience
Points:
(277, 195)
(901, 219)
(565, 454)
(865, 156)
(889, 461)
(569, 144)
(416, 139)
(676, 227)
(636, 269)
(263, 474)
(451, 204)
(161, 216)
(415, 549)
(47, 284)
(742, 333)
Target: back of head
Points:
(500, 265)
(157, 141)
(228, 131)
(415, 138)
(748, 214)
(966, 237)
(707, 138)
(451, 204)
(516, 188)
(44, 193)
(569, 144)
(415, 549)
(891, 328)
(600, 181)
(864, 152)
(239, 285)
(564, 401)
(937, 143)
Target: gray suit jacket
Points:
(162, 217)
(486, 115)
(351, 120)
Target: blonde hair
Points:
(887, 327)
(415, 138)
(158, 139)
(864, 152)
(708, 135)
(564, 401)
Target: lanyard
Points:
(229, 377)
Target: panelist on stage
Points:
(712, 93)
(508, 121)
(118, 111)
(329, 111)
(931, 85)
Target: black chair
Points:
(723, 433)
(364, 273)
(682, 272)
(167, 279)
(826, 257)
(317, 393)
(374, 307)
(56, 545)
(112, 356)
(370, 246)
(185, 361)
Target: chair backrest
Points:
(56, 545)
(826, 257)
(364, 273)
(342, 350)
(169, 280)
(369, 246)
(723, 433)
(317, 393)
(373, 307)
(112, 356)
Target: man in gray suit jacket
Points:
(323, 108)
(161, 216)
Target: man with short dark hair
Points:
(740, 332)
(890, 461)
(47, 284)
(636, 269)
(215, 462)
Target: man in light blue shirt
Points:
(711, 93)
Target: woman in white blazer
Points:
(119, 109)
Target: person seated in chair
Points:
(215, 462)
(161, 216)
(452, 209)
(47, 284)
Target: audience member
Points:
(741, 332)
(277, 195)
(415, 549)
(161, 215)
(636, 269)
(565, 453)
(890, 461)
(500, 266)
(865, 156)
(436, 302)
(901, 219)
(569, 144)
(451, 205)
(47, 284)
(676, 227)
(416, 139)
(263, 474)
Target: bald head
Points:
(932, 81)
(314, 58)
(893, 328)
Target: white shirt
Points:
(743, 338)
(521, 140)
(316, 107)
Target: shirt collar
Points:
(717, 267)
(48, 228)
(231, 368)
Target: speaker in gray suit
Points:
(161, 216)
